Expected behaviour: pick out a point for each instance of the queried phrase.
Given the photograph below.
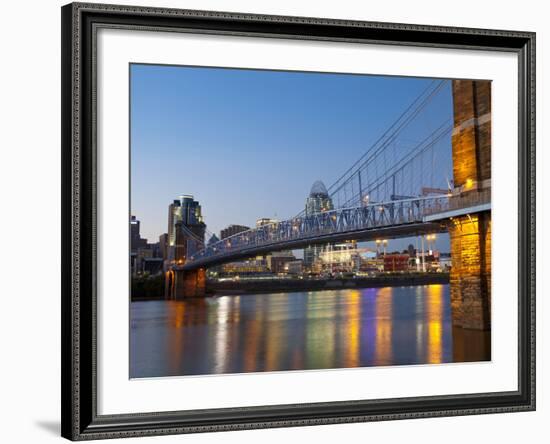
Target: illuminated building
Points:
(174, 215)
(243, 268)
(187, 211)
(265, 221)
(396, 262)
(340, 257)
(317, 202)
(261, 222)
(277, 261)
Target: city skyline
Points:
(186, 154)
(369, 205)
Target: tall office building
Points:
(318, 201)
(174, 214)
(265, 221)
(163, 245)
(232, 230)
(136, 241)
(187, 211)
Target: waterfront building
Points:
(151, 265)
(139, 248)
(232, 229)
(137, 259)
(245, 268)
(294, 267)
(396, 262)
(317, 202)
(343, 257)
(163, 246)
(155, 249)
(186, 211)
(136, 241)
(277, 261)
(144, 257)
(174, 215)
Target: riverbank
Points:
(153, 288)
(291, 285)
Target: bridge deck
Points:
(389, 232)
(394, 219)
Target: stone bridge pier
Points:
(180, 284)
(470, 233)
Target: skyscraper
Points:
(163, 245)
(187, 211)
(265, 221)
(136, 241)
(318, 201)
(174, 215)
(232, 229)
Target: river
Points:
(299, 331)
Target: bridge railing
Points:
(463, 201)
(314, 226)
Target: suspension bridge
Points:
(393, 190)
(428, 172)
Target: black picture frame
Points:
(79, 170)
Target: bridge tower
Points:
(182, 284)
(471, 233)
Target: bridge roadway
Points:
(384, 220)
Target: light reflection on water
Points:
(299, 331)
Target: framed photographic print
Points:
(280, 221)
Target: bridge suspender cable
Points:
(383, 142)
(393, 131)
(440, 132)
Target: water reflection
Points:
(296, 331)
(434, 313)
(384, 320)
(352, 331)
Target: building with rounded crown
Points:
(317, 202)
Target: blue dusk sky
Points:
(249, 143)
